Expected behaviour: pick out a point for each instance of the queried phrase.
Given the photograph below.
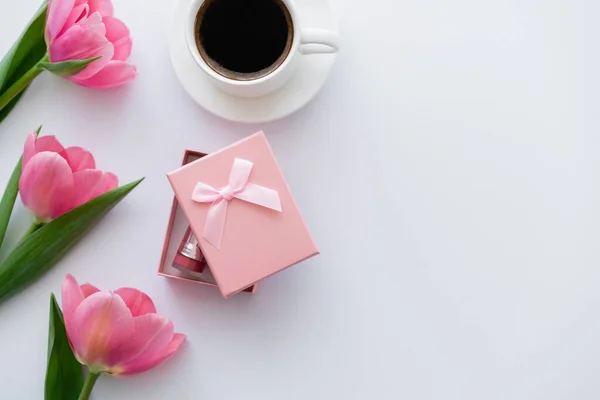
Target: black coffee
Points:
(244, 39)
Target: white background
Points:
(448, 172)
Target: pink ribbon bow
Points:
(238, 188)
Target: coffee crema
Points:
(244, 39)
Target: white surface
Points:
(448, 171)
(311, 73)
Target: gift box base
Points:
(176, 230)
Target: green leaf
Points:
(8, 200)
(67, 68)
(64, 374)
(10, 196)
(26, 51)
(42, 249)
(8, 108)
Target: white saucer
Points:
(310, 76)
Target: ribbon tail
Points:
(260, 195)
(215, 222)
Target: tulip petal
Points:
(46, 186)
(152, 334)
(48, 143)
(105, 53)
(138, 302)
(72, 296)
(88, 290)
(80, 43)
(34, 145)
(56, 17)
(91, 183)
(118, 34)
(79, 12)
(29, 148)
(104, 7)
(103, 326)
(79, 159)
(142, 365)
(115, 73)
(94, 25)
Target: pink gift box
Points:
(243, 214)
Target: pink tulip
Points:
(116, 332)
(82, 29)
(55, 180)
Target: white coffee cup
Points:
(305, 41)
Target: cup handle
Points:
(318, 41)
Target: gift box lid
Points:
(240, 208)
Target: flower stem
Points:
(34, 227)
(90, 381)
(17, 87)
